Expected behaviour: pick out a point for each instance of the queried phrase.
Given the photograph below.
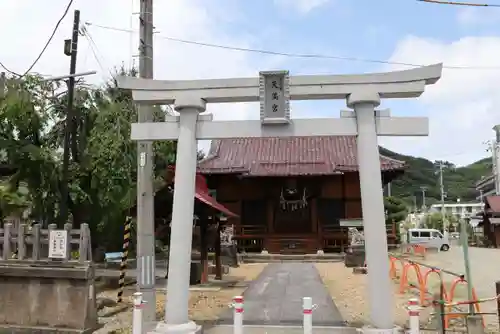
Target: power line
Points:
(456, 3)
(94, 49)
(291, 55)
(54, 31)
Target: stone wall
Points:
(46, 296)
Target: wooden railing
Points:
(253, 230)
(335, 238)
(292, 245)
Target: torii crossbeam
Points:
(275, 90)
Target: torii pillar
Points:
(362, 93)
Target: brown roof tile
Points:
(286, 156)
(493, 203)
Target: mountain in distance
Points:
(459, 182)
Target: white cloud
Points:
(23, 36)
(463, 106)
(301, 6)
(185, 19)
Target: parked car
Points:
(429, 238)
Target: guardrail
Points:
(446, 300)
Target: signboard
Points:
(274, 88)
(351, 222)
(58, 241)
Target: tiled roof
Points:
(493, 203)
(286, 156)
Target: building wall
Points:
(231, 192)
(460, 210)
(486, 186)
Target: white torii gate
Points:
(274, 90)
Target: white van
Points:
(430, 238)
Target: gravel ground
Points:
(348, 290)
(204, 304)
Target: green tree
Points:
(12, 203)
(395, 209)
(435, 220)
(102, 171)
(25, 115)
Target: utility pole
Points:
(423, 189)
(443, 195)
(145, 197)
(71, 50)
(495, 150)
(389, 189)
(3, 81)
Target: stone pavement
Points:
(281, 330)
(275, 297)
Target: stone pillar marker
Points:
(372, 201)
(363, 94)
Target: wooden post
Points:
(270, 225)
(36, 244)
(204, 249)
(52, 227)
(67, 228)
(6, 241)
(21, 244)
(217, 246)
(89, 245)
(83, 246)
(316, 228)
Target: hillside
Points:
(458, 182)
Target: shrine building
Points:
(291, 195)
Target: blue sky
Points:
(462, 107)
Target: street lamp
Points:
(67, 76)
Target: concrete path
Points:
(275, 297)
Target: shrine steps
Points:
(277, 258)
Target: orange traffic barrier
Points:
(415, 250)
(450, 300)
(419, 250)
(422, 286)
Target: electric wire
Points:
(94, 49)
(51, 37)
(456, 3)
(287, 54)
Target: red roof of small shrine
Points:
(292, 156)
(201, 192)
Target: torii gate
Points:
(274, 90)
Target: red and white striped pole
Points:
(414, 313)
(238, 314)
(137, 314)
(307, 307)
